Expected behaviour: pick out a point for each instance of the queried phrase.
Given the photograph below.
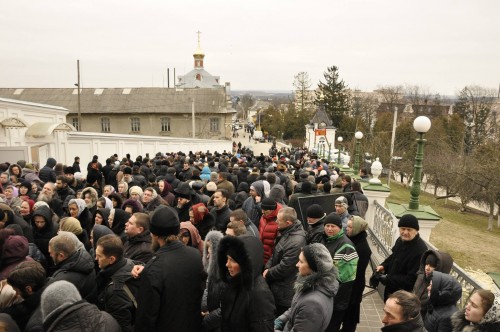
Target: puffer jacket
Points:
(268, 231)
(445, 293)
(281, 267)
(489, 323)
(80, 316)
(444, 264)
(247, 304)
(312, 304)
(79, 270)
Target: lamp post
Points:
(339, 139)
(422, 124)
(358, 135)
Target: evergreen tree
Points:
(336, 96)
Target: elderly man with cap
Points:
(341, 206)
(399, 270)
(169, 295)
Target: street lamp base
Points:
(424, 212)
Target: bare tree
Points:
(247, 101)
(474, 105)
(302, 84)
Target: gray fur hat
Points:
(318, 257)
(58, 295)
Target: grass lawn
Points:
(462, 234)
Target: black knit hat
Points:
(315, 211)
(164, 222)
(333, 218)
(410, 221)
(268, 204)
(127, 170)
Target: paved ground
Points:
(371, 309)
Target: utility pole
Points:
(78, 86)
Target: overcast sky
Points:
(441, 45)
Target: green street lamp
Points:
(339, 139)
(422, 124)
(358, 135)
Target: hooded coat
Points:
(489, 323)
(205, 174)
(12, 218)
(247, 303)
(445, 293)
(312, 304)
(241, 194)
(47, 173)
(215, 288)
(104, 212)
(48, 231)
(251, 206)
(444, 264)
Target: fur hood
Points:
(210, 263)
(93, 196)
(248, 252)
(324, 282)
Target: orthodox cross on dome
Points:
(198, 54)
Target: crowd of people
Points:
(210, 242)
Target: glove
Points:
(278, 324)
(383, 279)
(374, 280)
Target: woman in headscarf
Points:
(108, 189)
(189, 235)
(72, 225)
(101, 217)
(78, 209)
(117, 220)
(26, 209)
(166, 192)
(481, 314)
(116, 200)
(356, 232)
(123, 189)
(202, 219)
(90, 196)
(44, 229)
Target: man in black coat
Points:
(138, 244)
(169, 297)
(115, 271)
(402, 313)
(47, 173)
(399, 270)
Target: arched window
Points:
(198, 77)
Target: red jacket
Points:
(268, 230)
